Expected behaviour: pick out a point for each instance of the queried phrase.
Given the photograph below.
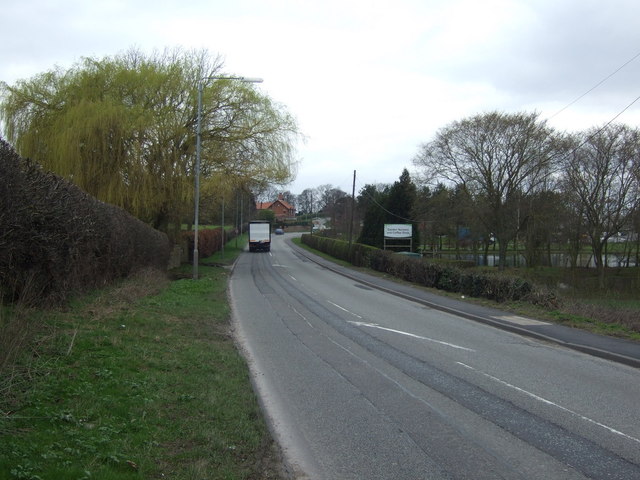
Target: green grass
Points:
(232, 249)
(138, 381)
(593, 324)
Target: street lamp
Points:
(197, 172)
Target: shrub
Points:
(359, 254)
(210, 241)
(449, 280)
(451, 276)
(56, 240)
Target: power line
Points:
(374, 201)
(597, 85)
(601, 129)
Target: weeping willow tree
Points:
(123, 129)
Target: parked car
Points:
(279, 231)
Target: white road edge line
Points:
(553, 404)
(413, 335)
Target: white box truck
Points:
(259, 236)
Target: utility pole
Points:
(353, 207)
(311, 232)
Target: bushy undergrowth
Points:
(443, 276)
(56, 240)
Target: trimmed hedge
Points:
(56, 240)
(443, 276)
(358, 256)
(210, 241)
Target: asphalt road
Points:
(359, 383)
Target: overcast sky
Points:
(368, 81)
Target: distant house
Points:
(282, 209)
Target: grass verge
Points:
(142, 380)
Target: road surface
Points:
(362, 384)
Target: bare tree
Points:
(266, 192)
(335, 206)
(544, 218)
(306, 201)
(498, 159)
(322, 195)
(289, 197)
(602, 174)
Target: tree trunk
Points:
(502, 252)
(487, 244)
(598, 247)
(161, 221)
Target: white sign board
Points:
(397, 230)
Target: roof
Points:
(269, 205)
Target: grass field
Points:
(141, 380)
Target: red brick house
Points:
(282, 209)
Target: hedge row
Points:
(358, 255)
(56, 240)
(210, 241)
(493, 285)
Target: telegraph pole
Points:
(353, 207)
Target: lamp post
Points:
(198, 152)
